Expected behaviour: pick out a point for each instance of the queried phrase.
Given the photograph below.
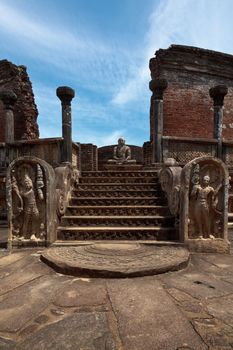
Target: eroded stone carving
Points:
(121, 153)
(205, 209)
(31, 212)
(27, 196)
(169, 178)
(31, 201)
(66, 178)
(204, 203)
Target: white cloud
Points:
(101, 138)
(77, 57)
(46, 35)
(78, 54)
(203, 23)
(111, 81)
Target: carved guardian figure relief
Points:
(206, 202)
(28, 203)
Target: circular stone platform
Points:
(116, 260)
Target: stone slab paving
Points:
(81, 331)
(6, 344)
(189, 309)
(218, 264)
(148, 319)
(11, 258)
(200, 285)
(84, 293)
(23, 271)
(21, 305)
(205, 298)
(221, 308)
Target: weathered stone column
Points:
(218, 93)
(157, 87)
(9, 98)
(66, 94)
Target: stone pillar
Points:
(157, 87)
(9, 98)
(66, 94)
(218, 93)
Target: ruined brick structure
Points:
(190, 73)
(114, 192)
(15, 78)
(89, 157)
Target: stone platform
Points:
(116, 260)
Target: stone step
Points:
(116, 233)
(116, 180)
(118, 187)
(3, 233)
(122, 173)
(117, 201)
(157, 243)
(118, 210)
(117, 221)
(116, 193)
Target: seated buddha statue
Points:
(121, 153)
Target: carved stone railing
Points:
(228, 153)
(184, 149)
(169, 178)
(66, 177)
(46, 149)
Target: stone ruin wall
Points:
(191, 72)
(25, 111)
(89, 157)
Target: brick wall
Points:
(147, 153)
(89, 157)
(25, 111)
(191, 72)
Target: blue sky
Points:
(101, 48)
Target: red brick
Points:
(191, 72)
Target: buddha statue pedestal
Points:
(126, 166)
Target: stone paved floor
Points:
(188, 309)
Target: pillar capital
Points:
(217, 93)
(65, 94)
(158, 86)
(8, 98)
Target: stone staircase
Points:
(117, 205)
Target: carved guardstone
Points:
(121, 154)
(204, 205)
(30, 199)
